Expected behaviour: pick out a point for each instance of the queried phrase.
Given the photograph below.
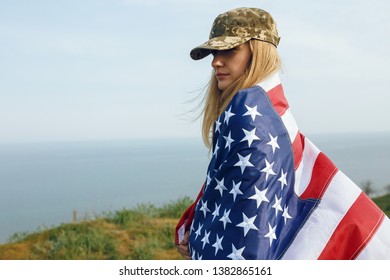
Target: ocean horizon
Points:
(44, 184)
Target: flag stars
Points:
(216, 148)
(216, 211)
(247, 223)
(220, 186)
(225, 218)
(198, 231)
(205, 240)
(243, 162)
(204, 208)
(252, 111)
(235, 190)
(228, 115)
(229, 141)
(259, 196)
(250, 136)
(283, 180)
(218, 244)
(276, 205)
(208, 179)
(268, 169)
(273, 143)
(236, 253)
(217, 126)
(193, 255)
(271, 234)
(286, 215)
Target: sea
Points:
(46, 184)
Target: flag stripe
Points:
(357, 227)
(378, 247)
(303, 172)
(279, 102)
(278, 99)
(270, 84)
(290, 124)
(315, 233)
(321, 175)
(298, 147)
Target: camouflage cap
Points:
(236, 27)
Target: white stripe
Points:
(270, 82)
(290, 124)
(314, 235)
(305, 168)
(181, 232)
(378, 247)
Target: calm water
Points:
(42, 184)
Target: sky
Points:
(78, 70)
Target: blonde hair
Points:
(265, 61)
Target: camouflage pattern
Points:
(236, 27)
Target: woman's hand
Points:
(182, 248)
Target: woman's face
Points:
(230, 64)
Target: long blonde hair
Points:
(265, 61)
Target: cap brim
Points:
(217, 43)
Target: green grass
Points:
(144, 232)
(384, 203)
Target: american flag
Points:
(270, 193)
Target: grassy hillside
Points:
(145, 232)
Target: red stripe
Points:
(298, 146)
(278, 100)
(354, 231)
(323, 172)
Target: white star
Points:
(250, 136)
(235, 190)
(217, 126)
(273, 143)
(220, 186)
(198, 231)
(252, 111)
(228, 115)
(205, 239)
(208, 180)
(229, 141)
(286, 215)
(216, 149)
(200, 257)
(247, 224)
(218, 244)
(225, 218)
(193, 255)
(216, 211)
(268, 169)
(259, 196)
(271, 233)
(283, 180)
(276, 205)
(204, 208)
(243, 162)
(236, 254)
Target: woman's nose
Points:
(217, 60)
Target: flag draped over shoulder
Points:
(270, 193)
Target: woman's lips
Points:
(221, 75)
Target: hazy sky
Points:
(118, 69)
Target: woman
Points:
(269, 192)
